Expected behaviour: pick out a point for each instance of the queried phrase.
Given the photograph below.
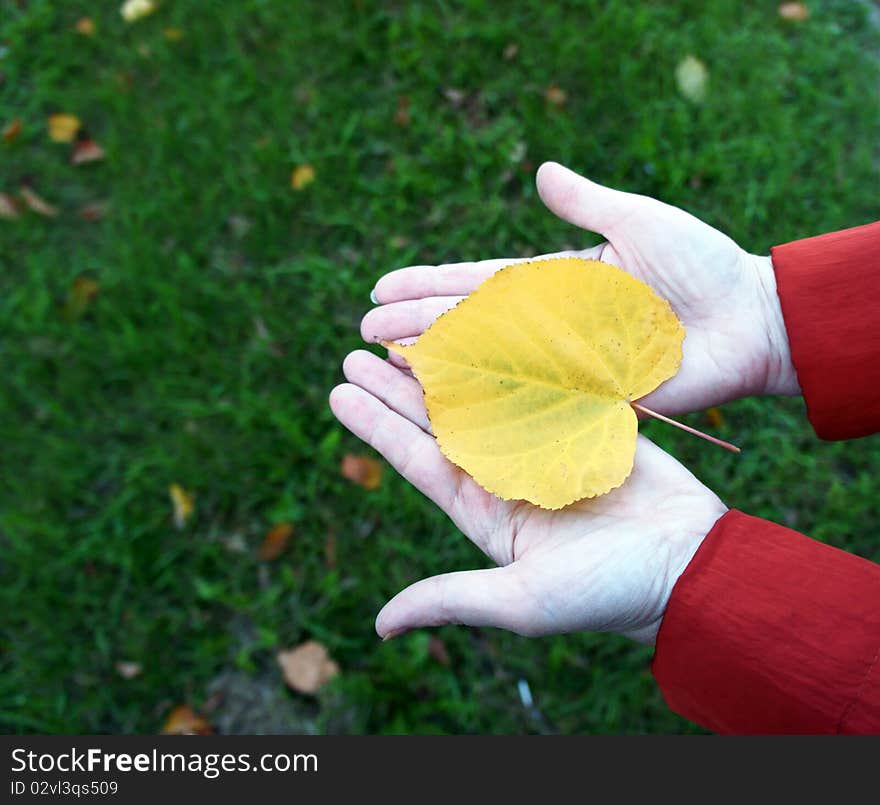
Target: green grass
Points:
(169, 376)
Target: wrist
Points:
(780, 376)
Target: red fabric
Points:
(769, 631)
(829, 288)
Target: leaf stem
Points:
(726, 445)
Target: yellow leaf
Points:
(692, 79)
(528, 381)
(302, 176)
(795, 12)
(183, 720)
(308, 667)
(362, 470)
(85, 26)
(173, 34)
(275, 542)
(63, 128)
(133, 10)
(183, 504)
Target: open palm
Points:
(603, 564)
(726, 298)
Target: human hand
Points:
(603, 564)
(736, 344)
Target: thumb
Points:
(490, 597)
(582, 202)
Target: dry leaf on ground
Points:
(302, 176)
(127, 669)
(528, 381)
(11, 130)
(62, 127)
(8, 207)
(85, 26)
(796, 12)
(275, 542)
(401, 114)
(362, 470)
(82, 292)
(86, 151)
(134, 10)
(308, 667)
(183, 720)
(94, 210)
(692, 79)
(36, 203)
(715, 417)
(183, 504)
(555, 96)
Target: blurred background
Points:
(195, 201)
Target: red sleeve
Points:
(829, 288)
(768, 631)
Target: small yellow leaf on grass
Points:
(183, 504)
(275, 542)
(11, 130)
(34, 202)
(86, 151)
(302, 176)
(63, 128)
(85, 26)
(362, 470)
(528, 381)
(82, 292)
(796, 12)
(692, 79)
(183, 720)
(308, 667)
(134, 10)
(173, 34)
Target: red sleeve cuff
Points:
(829, 289)
(768, 631)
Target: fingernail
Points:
(373, 297)
(392, 634)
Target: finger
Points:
(398, 391)
(404, 319)
(411, 451)
(453, 279)
(489, 597)
(584, 203)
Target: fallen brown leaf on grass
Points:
(555, 96)
(63, 127)
(93, 210)
(85, 26)
(183, 720)
(134, 10)
(8, 207)
(362, 470)
(11, 130)
(128, 670)
(183, 504)
(308, 667)
(82, 291)
(795, 12)
(302, 176)
(34, 202)
(86, 151)
(275, 542)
